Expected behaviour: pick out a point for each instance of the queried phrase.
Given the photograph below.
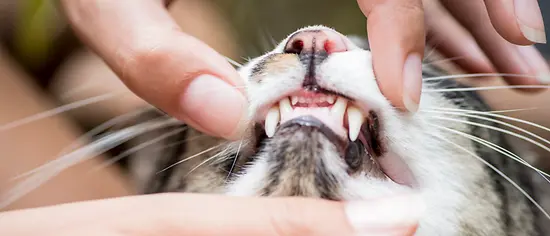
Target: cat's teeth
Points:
(339, 108)
(271, 121)
(355, 120)
(285, 107)
(294, 100)
(330, 99)
(321, 99)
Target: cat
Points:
(320, 127)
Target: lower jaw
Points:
(390, 164)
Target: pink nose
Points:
(314, 41)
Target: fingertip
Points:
(392, 40)
(390, 214)
(412, 82)
(529, 25)
(214, 107)
(530, 21)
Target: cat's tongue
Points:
(342, 118)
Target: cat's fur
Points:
(464, 196)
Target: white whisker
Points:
(496, 129)
(235, 160)
(189, 158)
(444, 60)
(475, 75)
(233, 62)
(57, 111)
(85, 137)
(501, 116)
(497, 171)
(497, 148)
(485, 88)
(203, 162)
(87, 152)
(138, 148)
(493, 120)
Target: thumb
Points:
(208, 215)
(171, 70)
(390, 216)
(213, 215)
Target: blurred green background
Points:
(35, 33)
(36, 36)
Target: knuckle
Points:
(148, 52)
(397, 6)
(415, 8)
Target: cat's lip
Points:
(336, 112)
(312, 121)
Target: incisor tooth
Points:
(330, 99)
(321, 99)
(339, 108)
(355, 120)
(271, 121)
(294, 100)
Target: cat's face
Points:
(320, 127)
(324, 129)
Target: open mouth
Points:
(335, 112)
(355, 132)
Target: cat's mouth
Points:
(355, 132)
(335, 112)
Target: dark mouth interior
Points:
(366, 148)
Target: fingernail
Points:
(388, 214)
(216, 106)
(529, 18)
(412, 82)
(537, 63)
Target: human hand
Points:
(169, 69)
(204, 215)
(484, 34)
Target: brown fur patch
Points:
(275, 64)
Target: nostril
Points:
(296, 47)
(331, 47)
(316, 41)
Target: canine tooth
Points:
(355, 120)
(330, 99)
(294, 100)
(285, 107)
(339, 108)
(271, 121)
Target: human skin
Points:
(28, 146)
(212, 215)
(141, 55)
(146, 49)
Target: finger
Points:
(397, 47)
(169, 69)
(449, 38)
(518, 21)
(505, 56)
(209, 215)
